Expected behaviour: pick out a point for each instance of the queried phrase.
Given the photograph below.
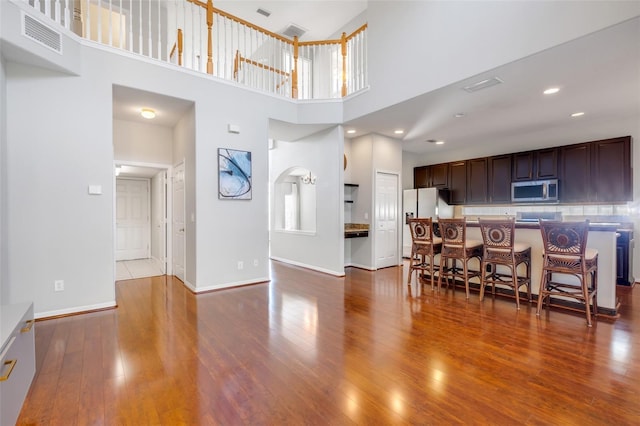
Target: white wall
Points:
(57, 147)
(426, 45)
(3, 182)
(322, 154)
(142, 142)
(361, 212)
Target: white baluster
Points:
(47, 8)
(88, 20)
(159, 32)
(140, 27)
(67, 15)
(120, 27)
(131, 29)
(150, 46)
(110, 29)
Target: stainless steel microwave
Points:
(535, 191)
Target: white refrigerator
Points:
(422, 202)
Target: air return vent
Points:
(40, 33)
(482, 84)
(294, 30)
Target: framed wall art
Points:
(234, 174)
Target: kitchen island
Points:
(602, 237)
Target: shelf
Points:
(348, 201)
(352, 185)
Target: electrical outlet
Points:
(58, 285)
(240, 264)
(255, 262)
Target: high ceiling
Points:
(598, 74)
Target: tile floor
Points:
(140, 268)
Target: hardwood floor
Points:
(308, 348)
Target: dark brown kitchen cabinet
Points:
(596, 172)
(421, 177)
(575, 173)
(433, 176)
(535, 165)
(611, 173)
(477, 181)
(439, 174)
(499, 183)
(458, 183)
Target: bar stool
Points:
(566, 252)
(500, 249)
(424, 246)
(456, 247)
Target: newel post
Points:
(294, 73)
(210, 38)
(343, 44)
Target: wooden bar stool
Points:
(500, 248)
(566, 252)
(424, 248)
(456, 247)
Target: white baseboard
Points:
(75, 310)
(313, 267)
(229, 285)
(367, 267)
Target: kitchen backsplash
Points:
(620, 211)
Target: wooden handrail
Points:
(239, 58)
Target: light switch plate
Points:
(95, 189)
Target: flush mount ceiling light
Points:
(398, 132)
(577, 114)
(484, 84)
(148, 113)
(351, 131)
(551, 90)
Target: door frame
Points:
(168, 169)
(181, 163)
(397, 174)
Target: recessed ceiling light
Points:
(398, 132)
(577, 114)
(459, 115)
(439, 142)
(351, 131)
(148, 113)
(551, 90)
(435, 141)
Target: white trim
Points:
(357, 265)
(263, 280)
(76, 310)
(306, 266)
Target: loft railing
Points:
(195, 35)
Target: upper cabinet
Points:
(434, 176)
(477, 181)
(499, 179)
(458, 182)
(534, 165)
(591, 172)
(575, 173)
(596, 172)
(611, 178)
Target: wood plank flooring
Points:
(308, 348)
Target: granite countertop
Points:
(356, 229)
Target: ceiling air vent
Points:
(294, 30)
(40, 33)
(482, 84)
(264, 12)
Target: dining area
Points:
(549, 264)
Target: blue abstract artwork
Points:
(234, 174)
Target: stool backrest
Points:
(453, 231)
(421, 229)
(498, 233)
(564, 238)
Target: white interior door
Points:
(159, 219)
(386, 220)
(132, 219)
(178, 228)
